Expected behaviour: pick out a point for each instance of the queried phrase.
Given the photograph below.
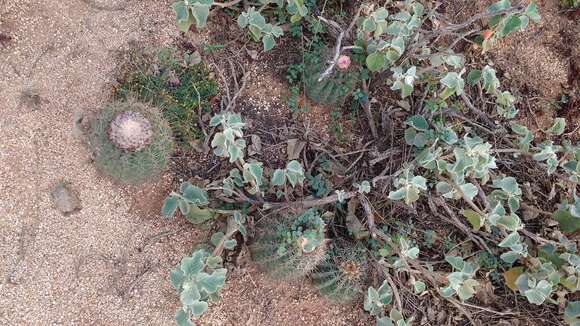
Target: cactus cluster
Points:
(294, 247)
(131, 142)
(341, 276)
(333, 89)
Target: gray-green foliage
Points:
(198, 279)
(229, 142)
(395, 318)
(572, 312)
(188, 12)
(376, 299)
(505, 24)
(342, 275)
(331, 90)
(259, 29)
(461, 280)
(129, 166)
(293, 247)
(191, 201)
(294, 174)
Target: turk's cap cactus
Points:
(130, 130)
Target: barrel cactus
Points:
(131, 142)
(334, 88)
(341, 276)
(293, 248)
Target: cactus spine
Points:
(342, 275)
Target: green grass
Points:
(165, 79)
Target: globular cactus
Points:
(293, 248)
(333, 89)
(131, 142)
(342, 275)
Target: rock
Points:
(65, 200)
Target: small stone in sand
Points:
(65, 200)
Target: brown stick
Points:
(367, 106)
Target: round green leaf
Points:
(376, 61)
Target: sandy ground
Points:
(108, 263)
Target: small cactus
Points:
(293, 248)
(131, 142)
(342, 275)
(130, 130)
(333, 89)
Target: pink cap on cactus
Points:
(343, 62)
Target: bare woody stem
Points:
(338, 46)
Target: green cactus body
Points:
(342, 275)
(131, 142)
(293, 248)
(333, 89)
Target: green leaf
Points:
(512, 239)
(193, 264)
(243, 21)
(216, 237)
(190, 295)
(418, 122)
(532, 12)
(467, 290)
(490, 81)
(198, 308)
(295, 173)
(512, 23)
(548, 252)
(200, 12)
(364, 187)
(194, 194)
(230, 244)
(453, 60)
(454, 82)
(456, 262)
(385, 293)
(473, 77)
(558, 127)
(369, 25)
(568, 222)
(397, 195)
(214, 261)
(170, 206)
(473, 217)
(213, 282)
(198, 215)
(469, 190)
(183, 207)
(419, 287)
(376, 61)
(176, 277)
(181, 318)
(384, 321)
(572, 313)
(268, 42)
(507, 184)
(538, 294)
(500, 5)
(447, 291)
(509, 257)
(184, 20)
